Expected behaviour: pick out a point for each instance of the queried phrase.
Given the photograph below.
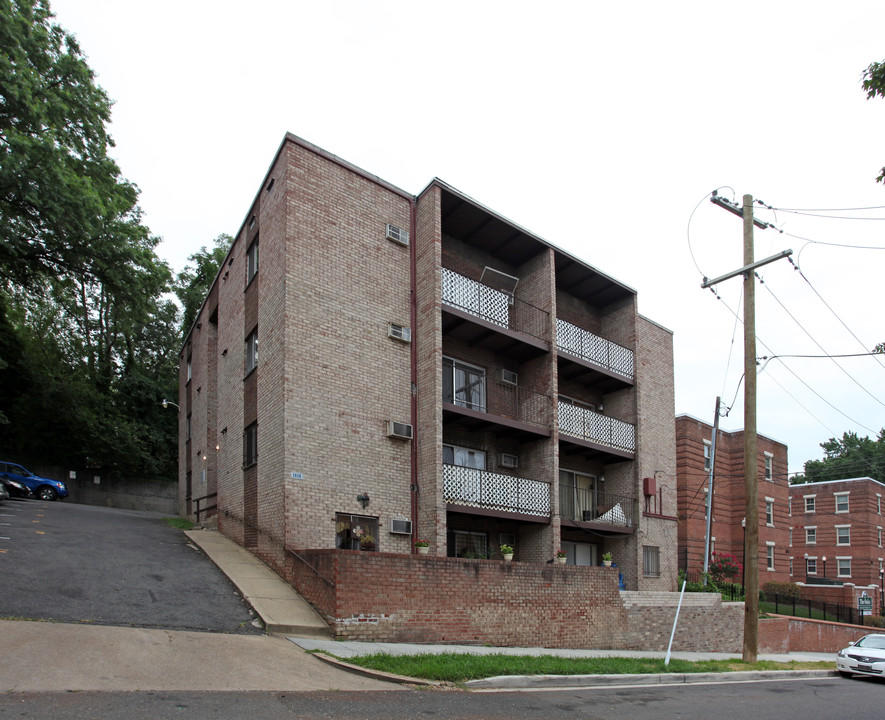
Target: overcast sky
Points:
(601, 127)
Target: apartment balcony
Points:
(480, 492)
(498, 407)
(596, 510)
(588, 358)
(596, 434)
(483, 317)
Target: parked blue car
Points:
(43, 488)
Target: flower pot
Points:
(508, 557)
(561, 560)
(423, 549)
(607, 563)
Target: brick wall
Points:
(786, 634)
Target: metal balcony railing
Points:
(492, 305)
(592, 348)
(588, 505)
(585, 424)
(495, 491)
(506, 400)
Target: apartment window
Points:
(464, 384)
(879, 504)
(252, 351)
(769, 556)
(190, 369)
(791, 567)
(769, 459)
(791, 537)
(651, 561)
(811, 566)
(879, 535)
(252, 261)
(810, 503)
(250, 445)
(577, 495)
(464, 457)
(356, 532)
(843, 535)
(810, 535)
(841, 502)
(769, 512)
(465, 544)
(843, 567)
(708, 455)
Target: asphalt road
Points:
(84, 564)
(773, 700)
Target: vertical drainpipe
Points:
(413, 353)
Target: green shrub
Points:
(783, 589)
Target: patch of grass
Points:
(461, 667)
(179, 523)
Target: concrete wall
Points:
(90, 488)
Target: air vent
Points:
(398, 235)
(399, 430)
(509, 377)
(509, 461)
(399, 332)
(401, 527)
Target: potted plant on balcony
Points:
(367, 542)
(561, 556)
(607, 559)
(507, 552)
(422, 546)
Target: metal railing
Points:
(593, 348)
(206, 508)
(495, 491)
(588, 505)
(510, 401)
(493, 306)
(585, 424)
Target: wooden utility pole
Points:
(751, 475)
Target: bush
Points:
(699, 586)
(783, 589)
(876, 621)
(724, 567)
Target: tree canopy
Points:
(193, 283)
(874, 85)
(849, 457)
(88, 340)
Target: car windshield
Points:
(872, 641)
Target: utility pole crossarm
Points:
(736, 209)
(746, 268)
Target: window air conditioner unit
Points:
(399, 430)
(399, 332)
(397, 235)
(509, 461)
(509, 377)
(587, 516)
(401, 527)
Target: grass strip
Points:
(179, 523)
(460, 667)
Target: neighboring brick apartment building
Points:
(693, 458)
(842, 521)
(427, 370)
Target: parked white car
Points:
(864, 657)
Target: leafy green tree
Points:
(849, 457)
(874, 85)
(193, 283)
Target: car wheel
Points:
(46, 493)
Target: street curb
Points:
(375, 674)
(513, 682)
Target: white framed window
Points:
(810, 503)
(843, 567)
(791, 537)
(252, 261)
(791, 566)
(843, 535)
(811, 566)
(252, 351)
(769, 555)
(651, 561)
(769, 462)
(769, 512)
(464, 384)
(811, 535)
(878, 503)
(879, 536)
(464, 457)
(708, 455)
(841, 502)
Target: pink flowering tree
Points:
(724, 567)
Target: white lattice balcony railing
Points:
(492, 305)
(592, 348)
(585, 424)
(494, 491)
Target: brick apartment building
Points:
(427, 370)
(693, 458)
(836, 531)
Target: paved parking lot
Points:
(80, 563)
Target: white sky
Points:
(600, 127)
